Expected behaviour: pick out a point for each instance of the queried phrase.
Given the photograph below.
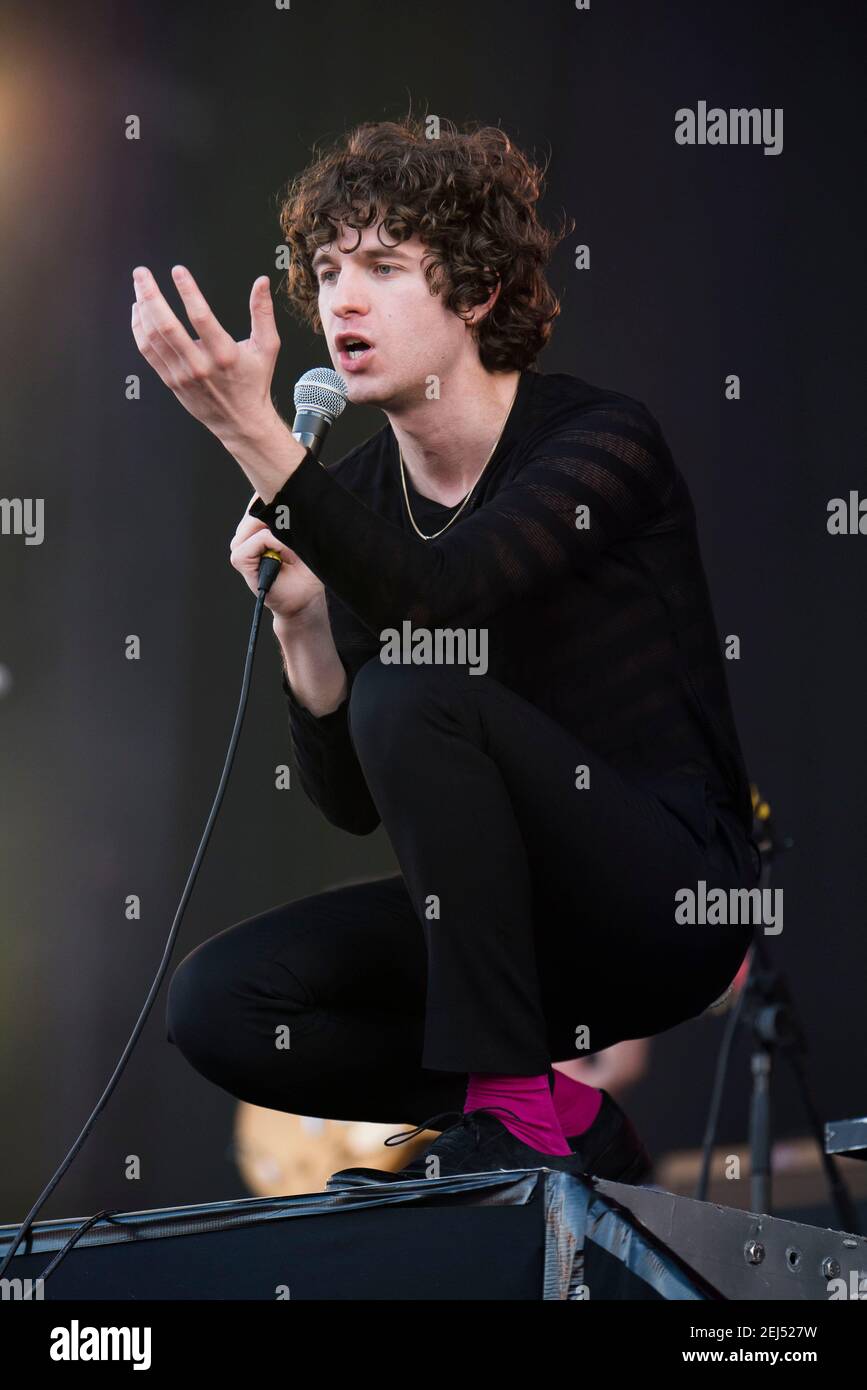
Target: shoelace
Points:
(464, 1116)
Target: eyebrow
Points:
(369, 254)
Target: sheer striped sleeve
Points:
(583, 488)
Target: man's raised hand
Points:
(226, 385)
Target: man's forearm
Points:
(268, 455)
(313, 666)
(325, 757)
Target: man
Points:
(544, 813)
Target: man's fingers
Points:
(263, 328)
(248, 526)
(162, 328)
(148, 352)
(253, 546)
(219, 343)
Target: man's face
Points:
(381, 295)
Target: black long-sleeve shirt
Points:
(602, 618)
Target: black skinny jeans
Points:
(526, 909)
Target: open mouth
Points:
(354, 349)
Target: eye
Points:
(322, 279)
(382, 265)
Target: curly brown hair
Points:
(469, 194)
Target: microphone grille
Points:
(321, 389)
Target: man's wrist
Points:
(312, 616)
(267, 451)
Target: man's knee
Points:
(204, 1002)
(387, 700)
(190, 1001)
(223, 988)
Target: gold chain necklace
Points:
(472, 489)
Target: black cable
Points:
(105, 1215)
(268, 571)
(720, 1074)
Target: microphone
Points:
(319, 397)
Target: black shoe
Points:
(478, 1142)
(611, 1147)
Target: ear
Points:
(480, 310)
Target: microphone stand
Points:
(765, 1007)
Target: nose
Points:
(350, 295)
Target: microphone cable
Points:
(269, 568)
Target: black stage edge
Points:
(534, 1235)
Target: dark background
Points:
(705, 261)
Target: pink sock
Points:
(534, 1120)
(576, 1104)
